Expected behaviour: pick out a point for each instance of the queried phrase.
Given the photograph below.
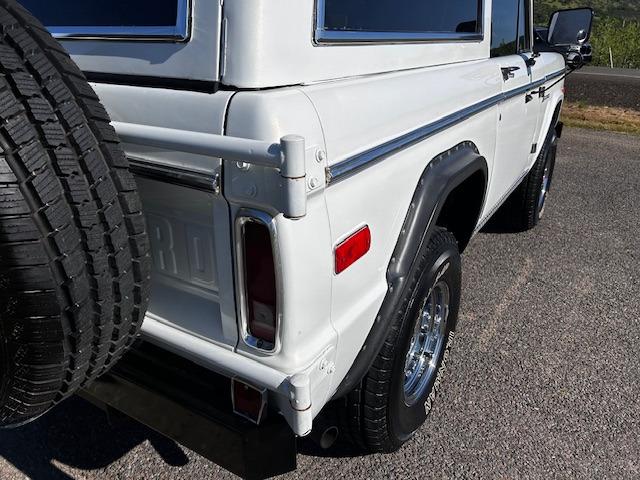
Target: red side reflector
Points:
(352, 249)
(248, 401)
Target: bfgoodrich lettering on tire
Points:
(74, 261)
(396, 395)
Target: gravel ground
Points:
(544, 381)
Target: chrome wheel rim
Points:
(544, 191)
(427, 343)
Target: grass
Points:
(601, 118)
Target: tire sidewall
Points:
(404, 420)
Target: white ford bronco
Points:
(264, 202)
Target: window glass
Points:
(403, 16)
(504, 28)
(523, 34)
(101, 13)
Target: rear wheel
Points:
(396, 395)
(74, 261)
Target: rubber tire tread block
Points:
(74, 254)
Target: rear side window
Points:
(399, 19)
(126, 18)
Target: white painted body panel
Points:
(189, 230)
(372, 110)
(554, 97)
(517, 120)
(196, 59)
(307, 335)
(344, 100)
(270, 43)
(344, 118)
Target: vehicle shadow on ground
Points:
(79, 435)
(84, 437)
(309, 448)
(500, 224)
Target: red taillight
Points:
(260, 281)
(352, 249)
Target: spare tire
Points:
(74, 253)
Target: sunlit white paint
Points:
(343, 100)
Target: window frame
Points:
(529, 28)
(529, 31)
(180, 32)
(323, 36)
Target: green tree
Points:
(621, 38)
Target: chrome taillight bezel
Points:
(243, 217)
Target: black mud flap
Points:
(192, 406)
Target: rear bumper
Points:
(192, 405)
(291, 395)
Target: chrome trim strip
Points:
(365, 159)
(334, 36)
(207, 182)
(178, 32)
(322, 36)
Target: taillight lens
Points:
(260, 283)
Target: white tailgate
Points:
(189, 228)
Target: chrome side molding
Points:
(181, 177)
(365, 159)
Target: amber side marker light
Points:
(352, 249)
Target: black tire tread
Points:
(71, 230)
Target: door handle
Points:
(508, 72)
(541, 92)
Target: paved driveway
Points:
(544, 381)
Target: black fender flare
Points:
(443, 174)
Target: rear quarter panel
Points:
(362, 113)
